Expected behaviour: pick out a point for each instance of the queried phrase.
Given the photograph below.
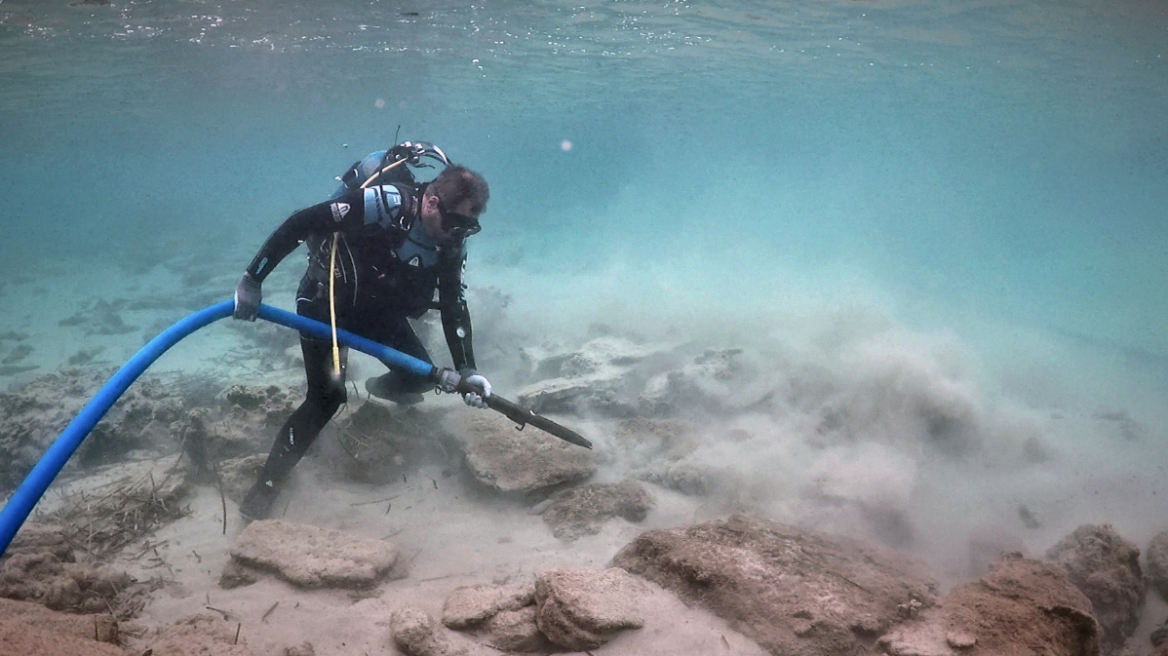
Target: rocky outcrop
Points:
(34, 414)
(1106, 568)
(583, 609)
(583, 510)
(514, 461)
(1020, 608)
(792, 590)
(311, 557)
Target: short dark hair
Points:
(456, 185)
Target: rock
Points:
(515, 630)
(379, 444)
(40, 566)
(715, 380)
(792, 590)
(1106, 568)
(594, 378)
(29, 629)
(1157, 557)
(511, 461)
(986, 545)
(313, 557)
(1020, 608)
(470, 606)
(656, 438)
(582, 510)
(583, 609)
(417, 634)
(501, 616)
(236, 575)
(33, 414)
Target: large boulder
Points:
(1020, 608)
(514, 461)
(582, 510)
(309, 556)
(583, 609)
(1106, 568)
(794, 591)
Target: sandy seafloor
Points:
(1089, 462)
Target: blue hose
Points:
(37, 481)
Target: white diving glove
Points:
(480, 381)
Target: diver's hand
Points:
(247, 298)
(479, 381)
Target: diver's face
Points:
(446, 224)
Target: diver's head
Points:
(452, 204)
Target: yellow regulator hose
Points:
(333, 307)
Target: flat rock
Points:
(1020, 608)
(515, 630)
(582, 510)
(1106, 568)
(1157, 557)
(583, 609)
(418, 634)
(313, 557)
(796, 592)
(510, 460)
(472, 605)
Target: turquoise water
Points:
(996, 170)
(1005, 156)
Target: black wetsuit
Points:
(387, 271)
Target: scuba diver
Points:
(378, 250)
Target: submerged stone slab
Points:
(313, 557)
(583, 510)
(583, 609)
(792, 590)
(511, 460)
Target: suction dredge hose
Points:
(22, 501)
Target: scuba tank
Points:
(389, 166)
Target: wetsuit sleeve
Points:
(345, 215)
(455, 315)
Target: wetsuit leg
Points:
(324, 396)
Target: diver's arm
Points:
(455, 314)
(345, 215)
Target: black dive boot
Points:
(389, 387)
